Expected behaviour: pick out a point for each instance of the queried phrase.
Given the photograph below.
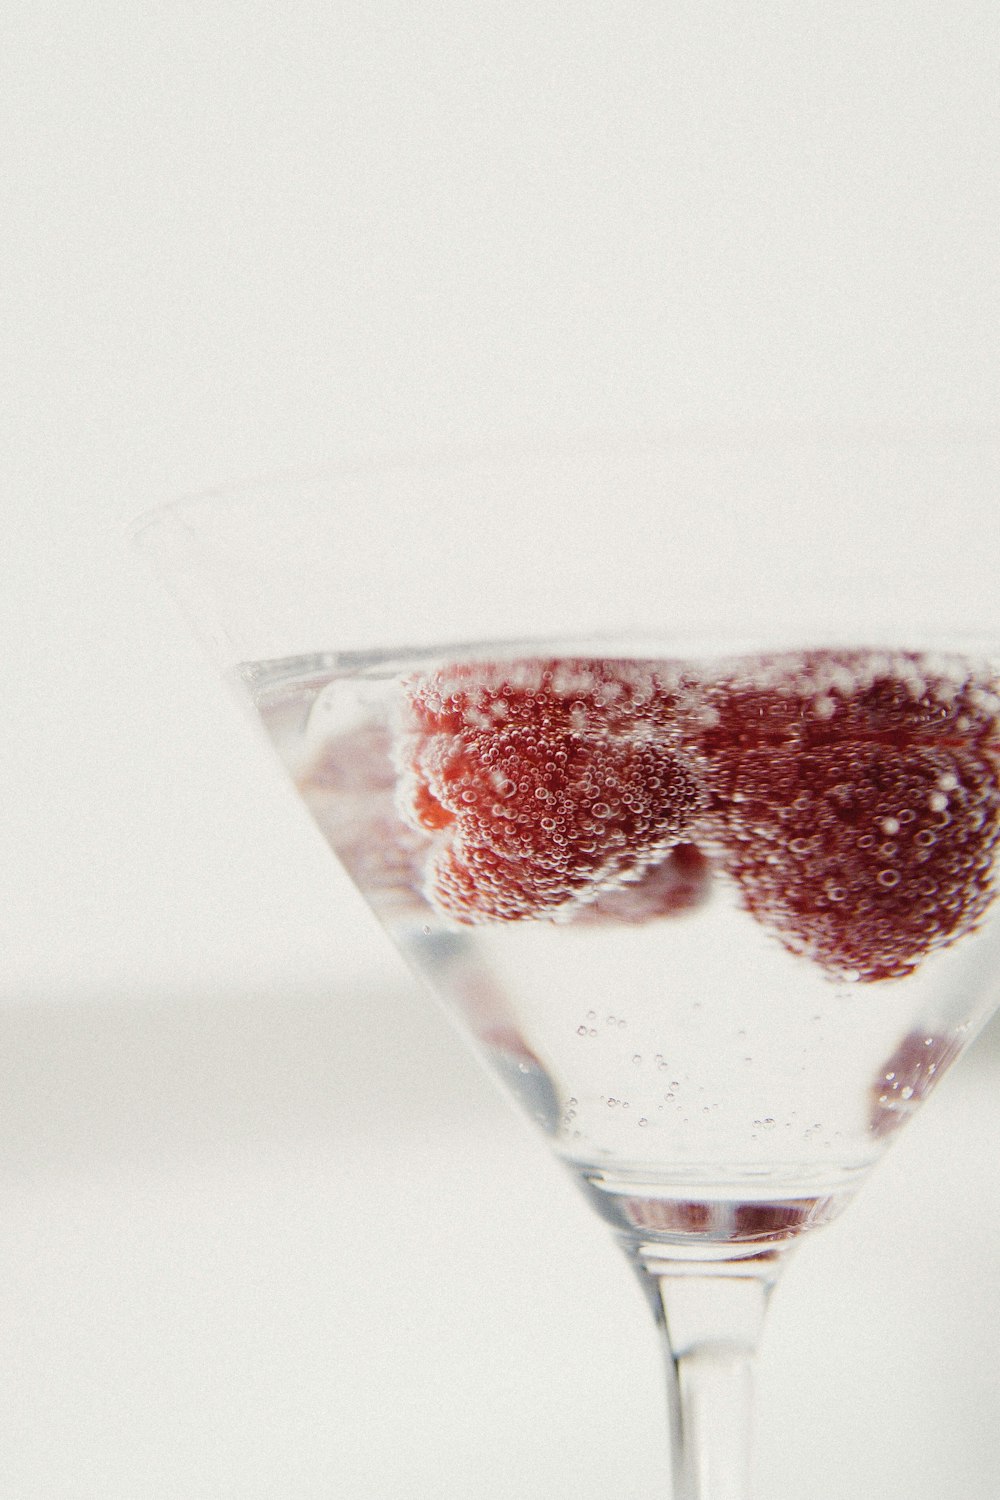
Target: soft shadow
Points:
(156, 1079)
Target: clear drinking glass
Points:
(673, 766)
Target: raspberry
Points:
(851, 797)
(543, 783)
(350, 791)
(857, 804)
(908, 1076)
(681, 882)
(820, 699)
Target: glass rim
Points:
(760, 530)
(444, 457)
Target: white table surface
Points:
(259, 1246)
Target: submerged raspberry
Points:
(350, 790)
(543, 782)
(857, 804)
(818, 700)
(908, 1076)
(851, 797)
(681, 882)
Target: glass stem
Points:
(710, 1317)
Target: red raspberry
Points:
(681, 882)
(350, 790)
(908, 1076)
(820, 699)
(544, 782)
(857, 802)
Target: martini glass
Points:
(673, 766)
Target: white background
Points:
(239, 239)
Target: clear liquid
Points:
(714, 1091)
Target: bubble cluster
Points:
(543, 783)
(864, 836)
(850, 798)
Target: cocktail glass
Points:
(673, 766)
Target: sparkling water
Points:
(721, 1016)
